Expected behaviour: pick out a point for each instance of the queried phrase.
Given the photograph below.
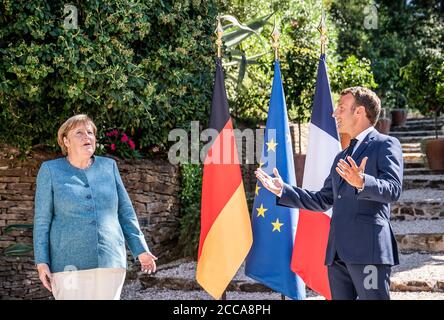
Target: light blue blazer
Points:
(83, 216)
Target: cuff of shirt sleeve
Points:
(359, 190)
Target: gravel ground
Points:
(421, 267)
(187, 270)
(133, 291)
(414, 266)
(417, 266)
(418, 226)
(422, 195)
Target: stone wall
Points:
(153, 186)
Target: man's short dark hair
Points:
(367, 98)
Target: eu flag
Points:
(274, 227)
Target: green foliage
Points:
(190, 194)
(299, 67)
(348, 17)
(233, 40)
(18, 249)
(403, 31)
(17, 227)
(423, 79)
(351, 72)
(299, 79)
(129, 65)
(299, 54)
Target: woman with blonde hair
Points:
(83, 215)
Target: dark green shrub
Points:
(190, 195)
(144, 65)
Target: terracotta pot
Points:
(299, 164)
(435, 153)
(345, 140)
(383, 125)
(399, 117)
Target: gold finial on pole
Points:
(323, 31)
(219, 31)
(275, 42)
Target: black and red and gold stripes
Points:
(226, 235)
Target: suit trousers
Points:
(92, 284)
(359, 281)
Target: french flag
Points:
(313, 227)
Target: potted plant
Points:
(398, 112)
(384, 122)
(399, 117)
(424, 81)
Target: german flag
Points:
(225, 234)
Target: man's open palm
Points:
(274, 185)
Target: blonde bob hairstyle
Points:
(70, 124)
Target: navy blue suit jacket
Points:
(360, 229)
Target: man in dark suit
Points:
(361, 245)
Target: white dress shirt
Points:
(360, 137)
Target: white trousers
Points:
(93, 284)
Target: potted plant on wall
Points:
(424, 81)
(399, 112)
(384, 122)
(396, 102)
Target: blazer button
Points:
(339, 196)
(88, 196)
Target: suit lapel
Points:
(355, 156)
(364, 144)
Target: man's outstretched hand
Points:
(274, 185)
(351, 173)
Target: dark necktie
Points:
(350, 148)
(349, 151)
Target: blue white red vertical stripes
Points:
(313, 227)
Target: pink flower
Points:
(113, 147)
(113, 133)
(132, 144)
(124, 138)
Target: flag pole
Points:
(275, 44)
(219, 31)
(322, 28)
(275, 40)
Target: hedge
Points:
(143, 67)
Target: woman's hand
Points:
(147, 262)
(45, 275)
